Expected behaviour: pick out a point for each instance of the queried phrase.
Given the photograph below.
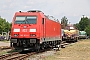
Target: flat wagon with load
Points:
(82, 35)
(71, 34)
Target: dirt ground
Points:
(77, 51)
(4, 43)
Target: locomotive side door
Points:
(44, 28)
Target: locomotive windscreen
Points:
(25, 20)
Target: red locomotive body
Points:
(34, 30)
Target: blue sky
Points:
(72, 9)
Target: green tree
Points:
(77, 26)
(84, 25)
(64, 22)
(84, 22)
(7, 27)
(88, 30)
(4, 25)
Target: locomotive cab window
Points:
(20, 19)
(25, 20)
(31, 19)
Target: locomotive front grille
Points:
(32, 40)
(14, 40)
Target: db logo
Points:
(24, 30)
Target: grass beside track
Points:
(7, 41)
(7, 51)
(77, 51)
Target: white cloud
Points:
(72, 9)
(4, 6)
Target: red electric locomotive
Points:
(34, 30)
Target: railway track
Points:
(4, 47)
(3, 57)
(19, 56)
(16, 56)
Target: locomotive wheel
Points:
(11, 44)
(76, 39)
(14, 44)
(37, 48)
(59, 47)
(42, 47)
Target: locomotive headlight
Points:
(15, 35)
(32, 35)
(32, 30)
(16, 30)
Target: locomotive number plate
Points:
(32, 40)
(24, 30)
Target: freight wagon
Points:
(82, 35)
(33, 30)
(71, 34)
